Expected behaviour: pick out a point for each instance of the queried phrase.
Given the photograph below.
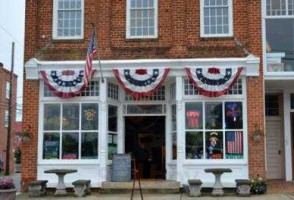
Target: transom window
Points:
(279, 7)
(90, 91)
(190, 89)
(214, 130)
(158, 95)
(68, 19)
(216, 18)
(70, 131)
(142, 18)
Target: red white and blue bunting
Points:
(213, 82)
(141, 82)
(65, 83)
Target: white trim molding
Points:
(230, 22)
(177, 66)
(55, 23)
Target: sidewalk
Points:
(163, 197)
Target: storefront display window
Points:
(112, 128)
(222, 135)
(174, 131)
(72, 134)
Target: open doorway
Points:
(145, 140)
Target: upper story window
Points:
(142, 18)
(68, 19)
(216, 18)
(7, 93)
(6, 119)
(278, 39)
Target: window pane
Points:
(90, 116)
(70, 145)
(234, 145)
(292, 101)
(272, 107)
(112, 118)
(52, 117)
(89, 145)
(174, 117)
(112, 145)
(214, 115)
(51, 146)
(70, 120)
(214, 145)
(174, 146)
(280, 45)
(194, 116)
(194, 145)
(234, 115)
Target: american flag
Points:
(88, 71)
(234, 141)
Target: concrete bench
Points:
(243, 187)
(38, 188)
(195, 187)
(82, 187)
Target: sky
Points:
(12, 14)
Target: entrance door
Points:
(145, 140)
(274, 137)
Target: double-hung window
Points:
(68, 19)
(142, 18)
(7, 93)
(216, 18)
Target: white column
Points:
(180, 129)
(168, 138)
(103, 134)
(287, 136)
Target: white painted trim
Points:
(128, 22)
(251, 64)
(231, 24)
(55, 23)
(287, 136)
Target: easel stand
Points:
(136, 177)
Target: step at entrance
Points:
(148, 186)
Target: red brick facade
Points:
(178, 37)
(4, 105)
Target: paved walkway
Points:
(164, 197)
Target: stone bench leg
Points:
(80, 190)
(88, 189)
(37, 190)
(195, 190)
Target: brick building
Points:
(4, 114)
(183, 130)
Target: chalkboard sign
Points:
(121, 168)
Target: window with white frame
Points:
(70, 131)
(216, 18)
(91, 91)
(7, 94)
(279, 41)
(190, 89)
(142, 18)
(112, 131)
(174, 131)
(214, 130)
(6, 120)
(68, 19)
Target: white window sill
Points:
(141, 37)
(68, 38)
(216, 35)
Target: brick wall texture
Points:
(178, 37)
(4, 105)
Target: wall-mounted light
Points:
(257, 134)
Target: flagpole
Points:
(97, 47)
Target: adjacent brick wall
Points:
(179, 37)
(4, 105)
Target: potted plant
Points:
(7, 189)
(258, 185)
